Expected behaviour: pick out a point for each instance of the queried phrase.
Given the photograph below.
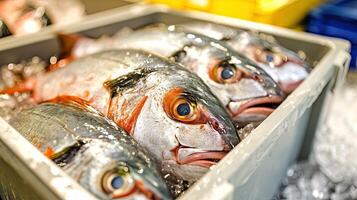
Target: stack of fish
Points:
(117, 112)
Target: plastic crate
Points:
(337, 19)
(284, 13)
(252, 170)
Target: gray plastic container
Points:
(253, 170)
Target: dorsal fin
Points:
(74, 101)
(66, 155)
(129, 80)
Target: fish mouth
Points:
(198, 157)
(263, 106)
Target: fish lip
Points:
(202, 158)
(251, 106)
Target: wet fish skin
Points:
(87, 145)
(140, 91)
(284, 65)
(203, 56)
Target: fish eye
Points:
(225, 72)
(269, 57)
(183, 109)
(180, 106)
(118, 182)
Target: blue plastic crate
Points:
(337, 19)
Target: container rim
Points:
(299, 97)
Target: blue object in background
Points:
(337, 19)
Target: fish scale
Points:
(130, 88)
(74, 134)
(201, 55)
(288, 74)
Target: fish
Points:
(94, 151)
(165, 107)
(282, 64)
(246, 90)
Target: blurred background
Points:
(336, 18)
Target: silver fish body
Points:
(102, 157)
(166, 108)
(283, 65)
(241, 86)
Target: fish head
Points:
(112, 174)
(285, 66)
(245, 89)
(197, 130)
(180, 121)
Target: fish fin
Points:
(67, 43)
(129, 80)
(64, 157)
(129, 122)
(74, 101)
(49, 152)
(26, 86)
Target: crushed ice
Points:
(11, 75)
(331, 172)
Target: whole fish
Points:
(248, 93)
(166, 108)
(283, 65)
(103, 158)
